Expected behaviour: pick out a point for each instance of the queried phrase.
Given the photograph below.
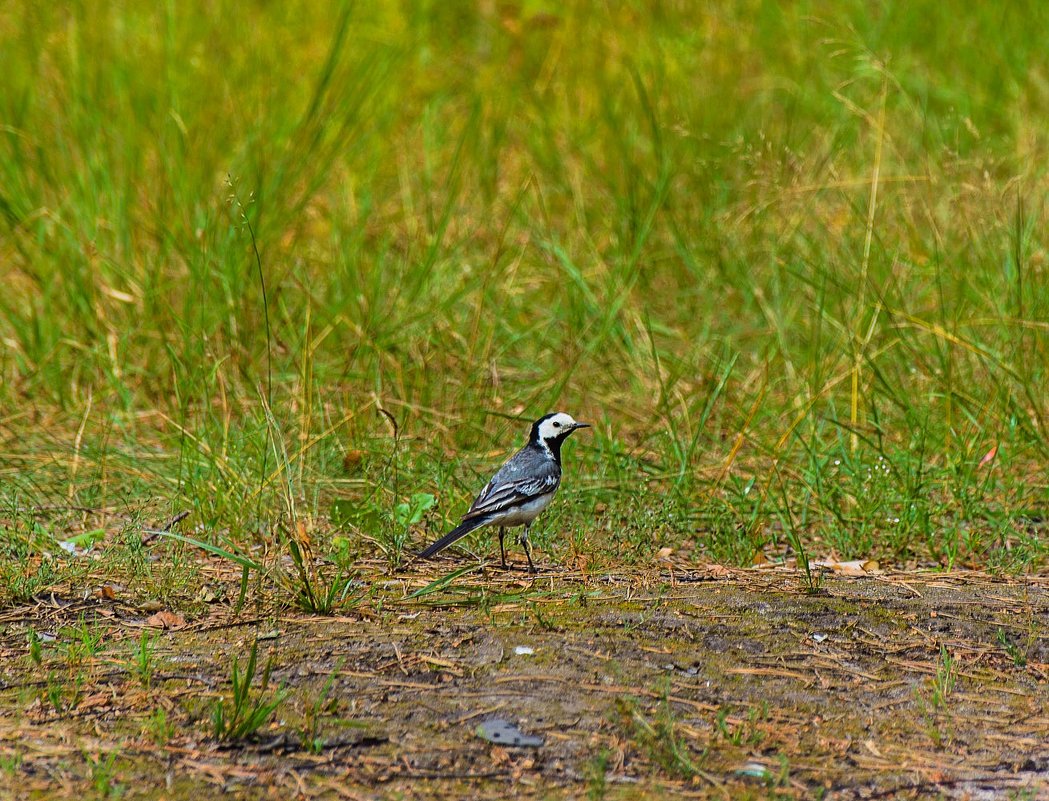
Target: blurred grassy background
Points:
(788, 259)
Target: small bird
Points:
(521, 489)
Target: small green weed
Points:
(943, 681)
(247, 710)
(597, 775)
(315, 591)
(11, 763)
(313, 711)
(734, 524)
(395, 534)
(102, 770)
(143, 664)
(745, 732)
(63, 694)
(82, 642)
(933, 705)
(36, 648)
(159, 729)
(23, 578)
(813, 575)
(1018, 656)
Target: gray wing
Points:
(524, 477)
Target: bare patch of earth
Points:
(711, 683)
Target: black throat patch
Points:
(553, 444)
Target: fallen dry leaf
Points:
(857, 567)
(166, 619)
(500, 756)
(849, 568)
(351, 462)
(989, 456)
(95, 701)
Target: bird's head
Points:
(554, 428)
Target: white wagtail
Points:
(521, 489)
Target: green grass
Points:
(263, 259)
(243, 715)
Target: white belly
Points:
(523, 514)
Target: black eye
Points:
(557, 425)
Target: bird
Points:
(522, 488)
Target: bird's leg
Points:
(527, 545)
(502, 550)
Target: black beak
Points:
(580, 425)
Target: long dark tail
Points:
(456, 533)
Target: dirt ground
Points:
(688, 682)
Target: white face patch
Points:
(555, 426)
